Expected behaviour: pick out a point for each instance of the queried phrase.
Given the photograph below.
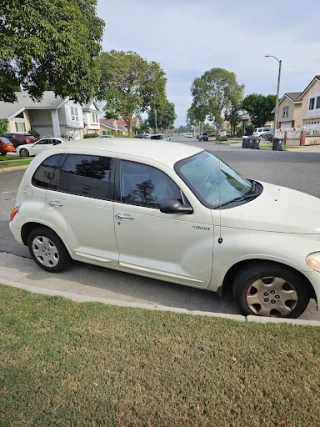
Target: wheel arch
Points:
(233, 271)
(30, 226)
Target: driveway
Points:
(299, 171)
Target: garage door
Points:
(286, 125)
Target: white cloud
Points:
(189, 37)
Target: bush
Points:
(90, 135)
(34, 133)
(223, 138)
(249, 129)
(3, 126)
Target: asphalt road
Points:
(299, 171)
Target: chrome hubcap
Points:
(271, 297)
(45, 251)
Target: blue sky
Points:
(189, 37)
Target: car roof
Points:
(162, 151)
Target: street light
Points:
(278, 87)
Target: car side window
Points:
(144, 185)
(88, 176)
(45, 176)
(43, 142)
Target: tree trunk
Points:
(128, 121)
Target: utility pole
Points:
(278, 88)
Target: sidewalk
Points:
(305, 149)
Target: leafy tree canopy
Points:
(49, 44)
(215, 91)
(129, 85)
(259, 107)
(166, 116)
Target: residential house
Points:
(110, 125)
(310, 99)
(290, 111)
(52, 116)
(91, 120)
(135, 122)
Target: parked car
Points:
(6, 146)
(106, 136)
(203, 136)
(223, 133)
(41, 145)
(268, 136)
(175, 213)
(260, 131)
(20, 138)
(212, 135)
(140, 136)
(160, 136)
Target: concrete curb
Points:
(83, 298)
(14, 168)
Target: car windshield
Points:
(201, 173)
(5, 140)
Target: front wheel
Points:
(270, 290)
(47, 250)
(24, 152)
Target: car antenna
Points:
(220, 240)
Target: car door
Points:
(79, 205)
(173, 247)
(39, 146)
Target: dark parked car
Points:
(5, 146)
(20, 138)
(268, 136)
(203, 137)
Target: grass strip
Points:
(65, 363)
(12, 163)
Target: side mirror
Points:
(171, 206)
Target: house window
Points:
(311, 103)
(285, 112)
(20, 126)
(94, 118)
(74, 114)
(318, 102)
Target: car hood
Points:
(277, 209)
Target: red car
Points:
(20, 138)
(6, 146)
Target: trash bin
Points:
(244, 141)
(256, 143)
(250, 143)
(277, 144)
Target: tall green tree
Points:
(233, 116)
(259, 107)
(213, 93)
(3, 126)
(129, 85)
(50, 44)
(166, 116)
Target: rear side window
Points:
(88, 176)
(45, 176)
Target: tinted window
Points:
(144, 185)
(45, 176)
(157, 136)
(87, 176)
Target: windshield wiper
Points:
(252, 194)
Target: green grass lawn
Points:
(14, 162)
(70, 364)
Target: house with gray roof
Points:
(52, 116)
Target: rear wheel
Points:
(270, 290)
(3, 154)
(47, 250)
(24, 152)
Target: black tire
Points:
(51, 250)
(255, 291)
(24, 152)
(3, 154)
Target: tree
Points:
(233, 116)
(129, 85)
(144, 127)
(214, 92)
(49, 45)
(166, 116)
(259, 107)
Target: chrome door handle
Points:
(119, 216)
(51, 203)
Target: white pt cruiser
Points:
(171, 212)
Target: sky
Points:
(189, 37)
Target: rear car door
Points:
(79, 205)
